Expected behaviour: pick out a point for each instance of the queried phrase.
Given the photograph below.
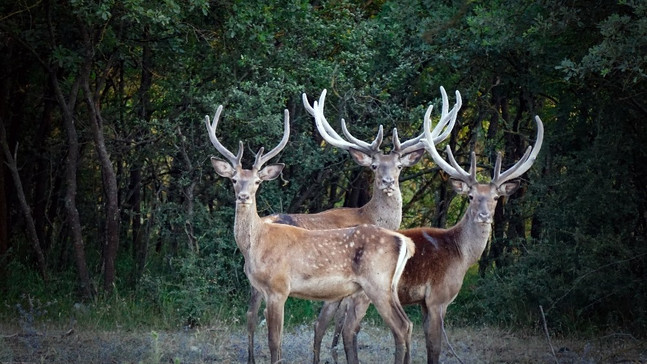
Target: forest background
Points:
(108, 201)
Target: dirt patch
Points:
(228, 344)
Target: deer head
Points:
(483, 196)
(246, 181)
(386, 167)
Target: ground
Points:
(222, 343)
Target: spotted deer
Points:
(434, 275)
(325, 265)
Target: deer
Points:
(385, 206)
(384, 209)
(433, 277)
(323, 265)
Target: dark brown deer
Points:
(325, 265)
(385, 206)
(434, 275)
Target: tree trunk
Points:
(134, 204)
(5, 90)
(71, 162)
(188, 195)
(4, 234)
(358, 191)
(42, 191)
(111, 242)
(140, 236)
(498, 227)
(71, 165)
(442, 206)
(29, 221)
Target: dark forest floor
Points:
(228, 344)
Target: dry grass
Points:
(223, 343)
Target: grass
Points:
(124, 330)
(152, 326)
(226, 342)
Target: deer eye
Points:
(257, 182)
(374, 166)
(400, 166)
(471, 197)
(496, 198)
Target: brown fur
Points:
(430, 264)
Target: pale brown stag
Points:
(325, 265)
(434, 275)
(385, 206)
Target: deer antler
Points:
(330, 135)
(374, 146)
(452, 168)
(446, 117)
(262, 159)
(236, 160)
(446, 123)
(211, 128)
(524, 163)
(456, 172)
(432, 138)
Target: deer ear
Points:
(361, 158)
(223, 168)
(459, 186)
(412, 158)
(271, 172)
(508, 188)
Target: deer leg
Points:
(432, 325)
(355, 311)
(255, 299)
(327, 311)
(340, 317)
(275, 306)
(401, 327)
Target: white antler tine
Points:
(452, 168)
(526, 161)
(211, 129)
(360, 144)
(445, 100)
(327, 132)
(448, 118)
(260, 159)
(396, 141)
(306, 104)
(331, 136)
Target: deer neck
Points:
(472, 238)
(384, 210)
(247, 225)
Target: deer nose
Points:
(484, 216)
(388, 180)
(243, 196)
